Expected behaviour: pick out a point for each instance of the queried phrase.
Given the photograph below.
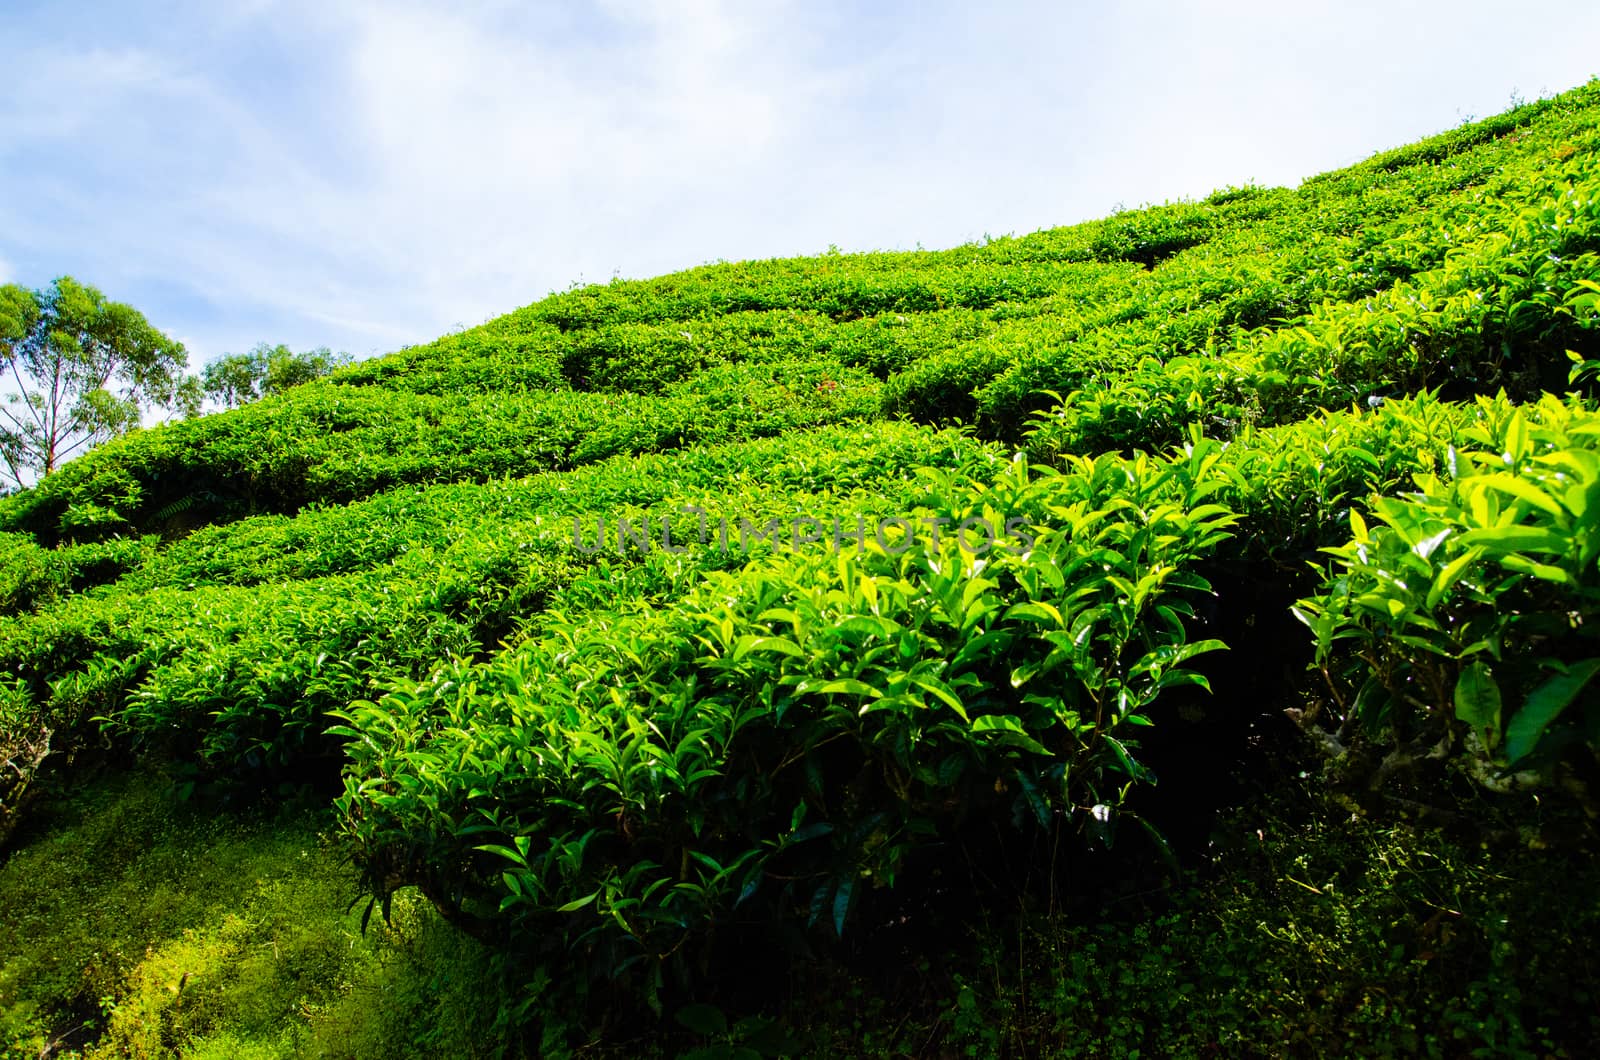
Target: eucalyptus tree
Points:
(236, 379)
(79, 369)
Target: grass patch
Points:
(132, 924)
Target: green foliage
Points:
(236, 379)
(178, 929)
(1326, 936)
(24, 745)
(85, 369)
(1449, 144)
(135, 925)
(612, 761)
(331, 442)
(32, 577)
(632, 776)
(1293, 485)
(505, 356)
(1471, 609)
(1501, 310)
(747, 1039)
(1149, 235)
(234, 642)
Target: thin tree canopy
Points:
(239, 378)
(79, 369)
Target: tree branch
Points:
(22, 388)
(62, 453)
(7, 414)
(81, 440)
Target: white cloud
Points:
(497, 167)
(364, 175)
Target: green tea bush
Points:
(840, 287)
(506, 356)
(888, 344)
(233, 642)
(1445, 145)
(1149, 235)
(1293, 486)
(1465, 621)
(789, 732)
(1503, 309)
(32, 577)
(326, 442)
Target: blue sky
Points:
(366, 175)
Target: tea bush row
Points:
(231, 644)
(330, 443)
(1464, 619)
(971, 333)
(1503, 310)
(1329, 244)
(787, 732)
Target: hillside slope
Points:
(786, 705)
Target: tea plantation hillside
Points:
(1175, 634)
